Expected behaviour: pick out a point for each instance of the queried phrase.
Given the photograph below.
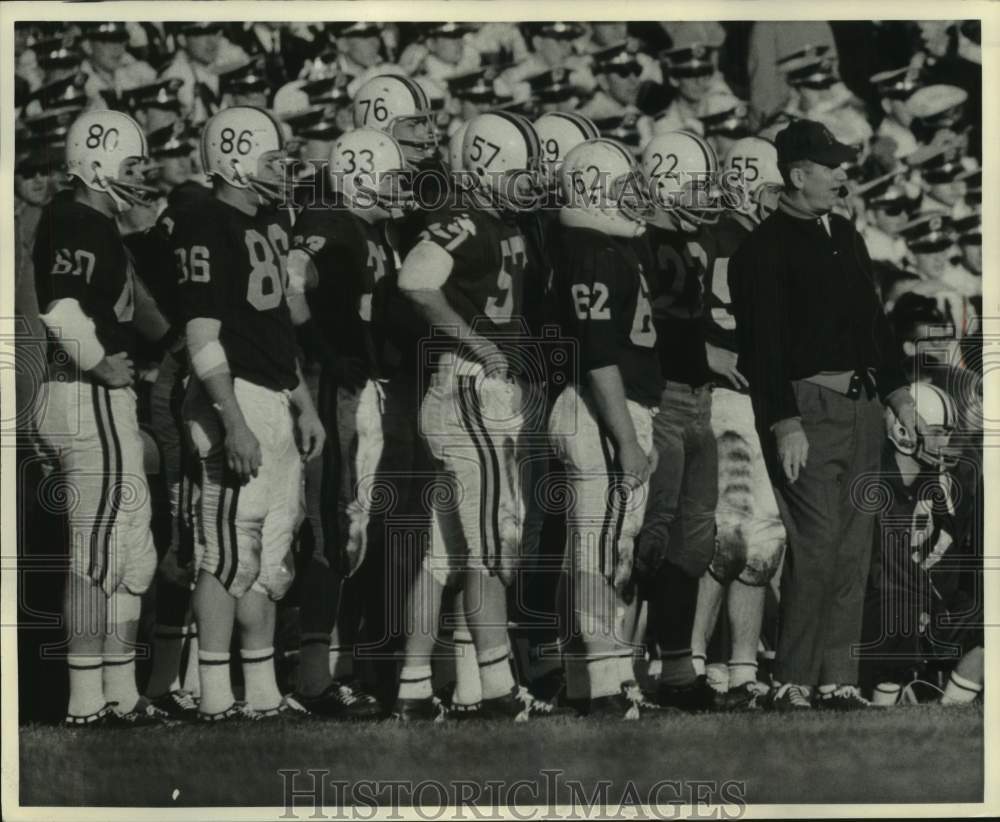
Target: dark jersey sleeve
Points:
(320, 234)
(204, 264)
(462, 236)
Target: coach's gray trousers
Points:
(829, 516)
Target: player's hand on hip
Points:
(115, 370)
(793, 452)
(243, 452)
(723, 363)
(635, 464)
(312, 435)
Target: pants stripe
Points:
(225, 492)
(234, 504)
(105, 479)
(489, 469)
(614, 514)
(116, 488)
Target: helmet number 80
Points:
(97, 135)
(229, 141)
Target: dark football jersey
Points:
(678, 265)
(231, 267)
(727, 236)
(155, 266)
(79, 254)
(486, 284)
(601, 286)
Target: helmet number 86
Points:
(230, 141)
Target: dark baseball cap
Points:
(809, 140)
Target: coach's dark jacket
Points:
(805, 302)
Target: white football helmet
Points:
(558, 132)
(684, 174)
(107, 152)
(245, 147)
(502, 152)
(941, 415)
(368, 168)
(455, 147)
(604, 190)
(751, 169)
(400, 107)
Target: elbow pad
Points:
(205, 352)
(70, 325)
(297, 266)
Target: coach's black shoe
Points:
(520, 706)
(143, 715)
(430, 709)
(98, 719)
(177, 705)
(696, 697)
(238, 712)
(844, 698)
(462, 712)
(789, 698)
(342, 700)
(749, 696)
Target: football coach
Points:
(819, 355)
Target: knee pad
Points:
(730, 556)
(275, 579)
(762, 563)
(139, 566)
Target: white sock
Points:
(960, 690)
(741, 672)
(119, 680)
(415, 682)
(86, 685)
(717, 677)
(216, 689)
(168, 648)
(261, 685)
(886, 694)
(700, 668)
(342, 661)
(604, 674)
(468, 686)
(192, 676)
(494, 671)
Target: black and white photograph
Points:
(451, 416)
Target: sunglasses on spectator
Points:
(31, 171)
(893, 209)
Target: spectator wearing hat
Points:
(111, 68)
(724, 120)
(943, 178)
(938, 117)
(500, 44)
(889, 204)
(552, 48)
(156, 105)
(202, 52)
(282, 48)
(770, 41)
(70, 92)
(245, 85)
(444, 50)
(604, 35)
(818, 352)
(477, 91)
(894, 88)
(969, 235)
(619, 72)
(818, 92)
(931, 238)
(362, 52)
(691, 71)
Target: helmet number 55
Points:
(746, 165)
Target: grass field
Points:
(914, 754)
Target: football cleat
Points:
(520, 706)
(288, 709)
(107, 152)
(629, 704)
(98, 719)
(237, 712)
(429, 709)
(343, 700)
(697, 697)
(746, 697)
(844, 698)
(178, 704)
(462, 712)
(788, 698)
(143, 715)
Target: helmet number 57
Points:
(479, 143)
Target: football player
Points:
(677, 540)
(342, 255)
(602, 426)
(750, 536)
(399, 106)
(94, 306)
(249, 412)
(467, 276)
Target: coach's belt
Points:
(848, 383)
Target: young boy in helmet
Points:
(602, 424)
(750, 537)
(94, 307)
(249, 414)
(466, 276)
(344, 259)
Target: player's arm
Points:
(70, 269)
(310, 429)
(608, 392)
(149, 321)
(425, 271)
